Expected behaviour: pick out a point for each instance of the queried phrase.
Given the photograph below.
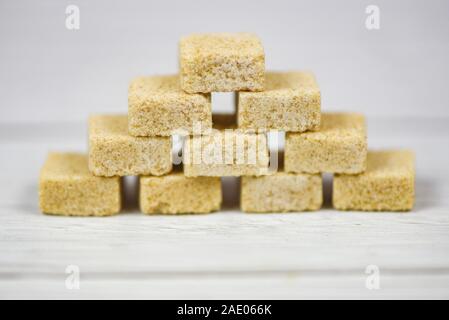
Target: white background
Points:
(48, 73)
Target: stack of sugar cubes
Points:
(218, 145)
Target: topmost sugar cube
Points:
(221, 62)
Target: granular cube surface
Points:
(281, 192)
(291, 101)
(113, 152)
(221, 62)
(66, 187)
(387, 185)
(340, 146)
(226, 151)
(175, 193)
(158, 107)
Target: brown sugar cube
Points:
(113, 152)
(66, 187)
(281, 192)
(221, 62)
(388, 184)
(226, 151)
(158, 107)
(175, 193)
(340, 146)
(291, 101)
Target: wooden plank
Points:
(232, 287)
(228, 241)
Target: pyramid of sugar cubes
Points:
(216, 145)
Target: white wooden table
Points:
(228, 254)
